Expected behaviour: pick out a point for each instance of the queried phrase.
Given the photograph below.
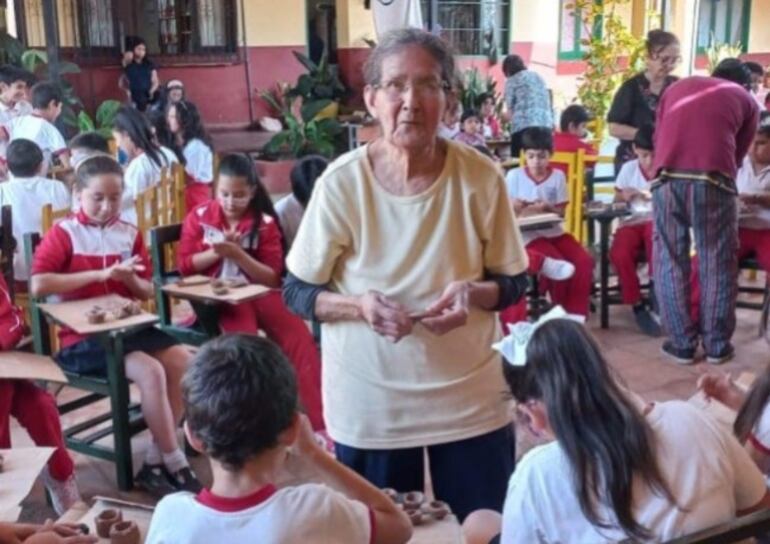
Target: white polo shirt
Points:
(752, 182)
(631, 176)
(290, 213)
(310, 514)
(7, 115)
(44, 134)
(27, 196)
(199, 161)
(553, 189)
(706, 469)
(141, 174)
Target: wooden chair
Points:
(146, 206)
(165, 198)
(750, 264)
(51, 216)
(164, 271)
(126, 418)
(179, 182)
(585, 190)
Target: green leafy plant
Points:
(613, 53)
(304, 133)
(104, 120)
(717, 51)
(473, 86)
(11, 49)
(319, 83)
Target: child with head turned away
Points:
(241, 409)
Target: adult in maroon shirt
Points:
(704, 128)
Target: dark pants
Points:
(516, 144)
(711, 212)
(469, 474)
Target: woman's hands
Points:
(450, 311)
(394, 321)
(386, 317)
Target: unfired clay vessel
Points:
(124, 532)
(106, 519)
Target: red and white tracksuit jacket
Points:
(207, 224)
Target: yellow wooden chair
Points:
(570, 161)
(583, 159)
(146, 205)
(179, 182)
(51, 216)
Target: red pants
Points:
(627, 245)
(518, 312)
(35, 409)
(754, 242)
(270, 314)
(572, 294)
(196, 194)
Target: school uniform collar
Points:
(83, 219)
(235, 504)
(548, 173)
(243, 226)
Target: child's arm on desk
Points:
(393, 526)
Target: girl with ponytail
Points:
(617, 468)
(237, 235)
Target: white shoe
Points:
(64, 494)
(556, 269)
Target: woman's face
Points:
(175, 95)
(234, 195)
(663, 61)
(173, 120)
(488, 108)
(139, 52)
(410, 99)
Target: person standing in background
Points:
(140, 76)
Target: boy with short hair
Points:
(86, 144)
(291, 208)
(47, 102)
(571, 136)
(538, 188)
(13, 91)
(753, 183)
(27, 192)
(634, 234)
(240, 398)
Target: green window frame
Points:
(465, 23)
(572, 17)
(721, 25)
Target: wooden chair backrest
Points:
(51, 216)
(179, 182)
(146, 205)
(165, 198)
(162, 240)
(582, 182)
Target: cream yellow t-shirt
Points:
(355, 236)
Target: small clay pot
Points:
(132, 308)
(413, 499)
(235, 283)
(392, 494)
(415, 516)
(96, 316)
(220, 290)
(124, 532)
(437, 509)
(106, 519)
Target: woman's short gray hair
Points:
(396, 40)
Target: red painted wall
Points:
(220, 90)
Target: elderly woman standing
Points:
(636, 101)
(407, 248)
(527, 99)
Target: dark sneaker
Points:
(185, 480)
(679, 356)
(723, 357)
(647, 322)
(155, 479)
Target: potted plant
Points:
(320, 83)
(304, 133)
(102, 122)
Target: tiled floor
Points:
(636, 358)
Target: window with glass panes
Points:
(724, 21)
(471, 27)
(573, 31)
